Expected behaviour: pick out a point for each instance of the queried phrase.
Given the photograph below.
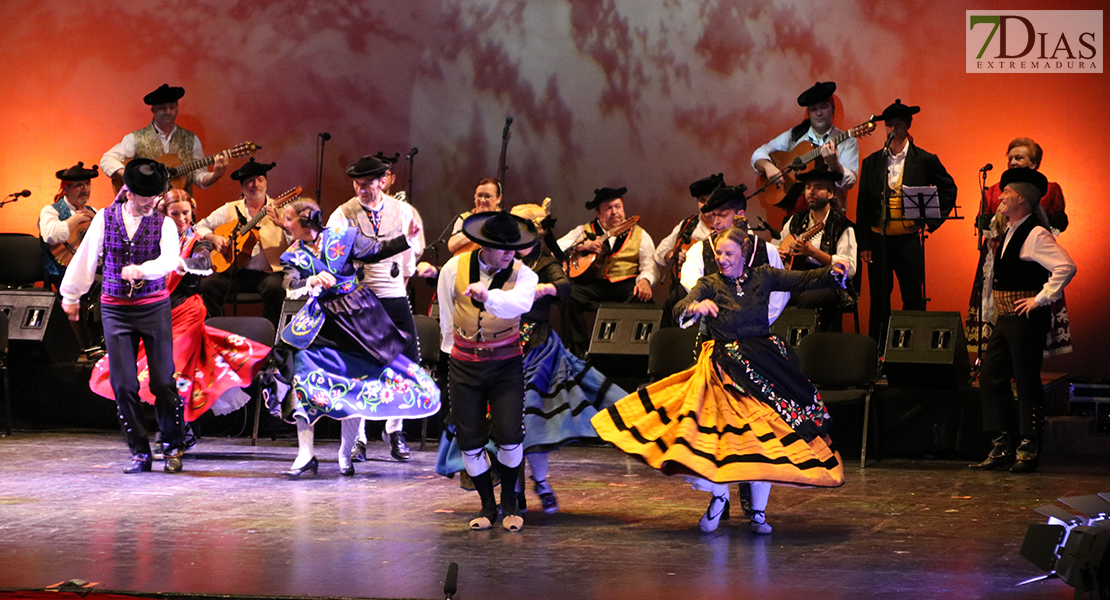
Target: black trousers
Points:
(124, 327)
(585, 296)
(827, 304)
(901, 255)
(400, 312)
(498, 384)
(1015, 352)
(218, 287)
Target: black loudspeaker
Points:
(926, 350)
(288, 309)
(794, 324)
(38, 325)
(624, 328)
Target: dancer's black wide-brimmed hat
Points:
(367, 166)
(706, 185)
(252, 169)
(164, 95)
(727, 194)
(145, 177)
(78, 172)
(499, 230)
(604, 194)
(1025, 175)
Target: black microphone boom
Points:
(451, 583)
(771, 230)
(325, 136)
(22, 194)
(987, 167)
(413, 152)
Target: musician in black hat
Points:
(1030, 272)
(482, 294)
(262, 272)
(889, 244)
(815, 238)
(139, 247)
(163, 136)
(624, 269)
(817, 129)
(377, 214)
(671, 251)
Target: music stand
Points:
(921, 203)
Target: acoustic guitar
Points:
(63, 252)
(801, 239)
(179, 171)
(779, 203)
(578, 263)
(242, 236)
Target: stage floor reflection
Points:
(232, 524)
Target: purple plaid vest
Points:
(120, 252)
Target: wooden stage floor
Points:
(231, 524)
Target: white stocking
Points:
(475, 461)
(510, 456)
(538, 462)
(760, 491)
(306, 435)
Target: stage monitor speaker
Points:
(288, 309)
(37, 324)
(624, 328)
(794, 324)
(926, 350)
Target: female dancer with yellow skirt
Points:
(744, 412)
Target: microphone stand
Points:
(983, 206)
(411, 155)
(13, 198)
(323, 138)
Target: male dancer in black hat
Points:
(888, 244)
(671, 251)
(139, 247)
(377, 214)
(163, 136)
(817, 129)
(624, 268)
(262, 273)
(1030, 272)
(482, 295)
(815, 238)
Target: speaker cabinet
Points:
(624, 328)
(794, 324)
(37, 324)
(926, 350)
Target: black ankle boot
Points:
(1028, 456)
(1001, 455)
(510, 506)
(484, 485)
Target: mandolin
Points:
(179, 171)
(802, 239)
(241, 235)
(578, 263)
(779, 203)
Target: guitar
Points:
(782, 202)
(63, 252)
(577, 264)
(241, 237)
(179, 171)
(801, 239)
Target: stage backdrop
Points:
(648, 95)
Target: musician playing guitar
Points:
(623, 269)
(815, 131)
(62, 226)
(262, 272)
(671, 251)
(816, 237)
(163, 136)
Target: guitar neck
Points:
(279, 202)
(193, 165)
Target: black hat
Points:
(820, 92)
(821, 173)
(367, 166)
(78, 172)
(251, 169)
(1025, 175)
(164, 95)
(706, 185)
(499, 230)
(732, 195)
(145, 177)
(603, 194)
(898, 111)
(388, 160)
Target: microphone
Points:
(450, 585)
(986, 167)
(325, 136)
(22, 194)
(771, 230)
(413, 152)
(889, 139)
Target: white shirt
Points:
(646, 256)
(503, 304)
(846, 248)
(895, 163)
(379, 277)
(224, 215)
(694, 268)
(124, 151)
(1040, 247)
(82, 269)
(668, 243)
(52, 229)
(847, 152)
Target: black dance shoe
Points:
(140, 463)
(312, 465)
(1027, 457)
(358, 453)
(173, 464)
(1000, 457)
(348, 471)
(398, 449)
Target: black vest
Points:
(1011, 273)
(835, 226)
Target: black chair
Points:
(256, 329)
(242, 298)
(671, 350)
(4, 368)
(427, 331)
(844, 368)
(22, 260)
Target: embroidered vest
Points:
(1011, 273)
(147, 145)
(50, 265)
(894, 226)
(835, 226)
(471, 320)
(623, 262)
(119, 251)
(390, 226)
